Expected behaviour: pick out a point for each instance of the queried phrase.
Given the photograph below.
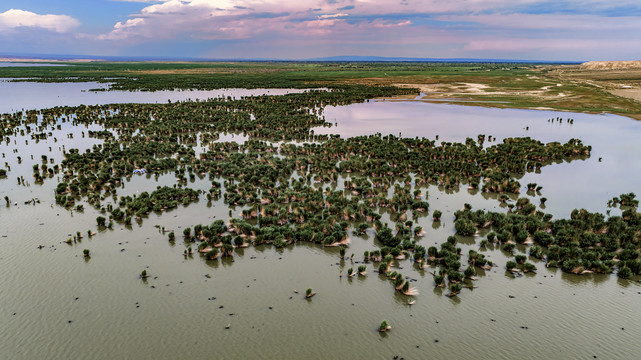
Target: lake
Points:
(577, 184)
(17, 96)
(24, 64)
(55, 304)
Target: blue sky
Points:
(299, 29)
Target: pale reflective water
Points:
(55, 304)
(613, 168)
(22, 64)
(17, 96)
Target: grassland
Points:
(621, 79)
(531, 86)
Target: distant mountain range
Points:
(342, 58)
(449, 60)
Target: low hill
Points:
(612, 65)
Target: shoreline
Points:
(497, 105)
(45, 61)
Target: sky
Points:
(557, 30)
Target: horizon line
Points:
(337, 58)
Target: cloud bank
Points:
(15, 19)
(522, 29)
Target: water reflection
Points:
(586, 187)
(23, 64)
(30, 95)
(110, 289)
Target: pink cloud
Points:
(379, 24)
(429, 27)
(238, 19)
(544, 44)
(332, 16)
(576, 22)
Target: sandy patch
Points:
(475, 88)
(627, 93)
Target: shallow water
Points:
(55, 304)
(31, 95)
(16, 64)
(588, 183)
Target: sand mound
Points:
(612, 65)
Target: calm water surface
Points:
(17, 96)
(613, 168)
(55, 304)
(16, 64)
